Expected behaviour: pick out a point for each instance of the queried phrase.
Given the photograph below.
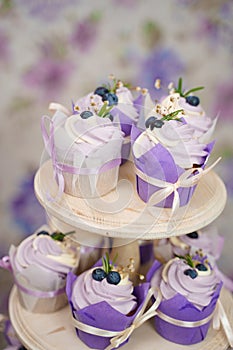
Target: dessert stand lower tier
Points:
(55, 332)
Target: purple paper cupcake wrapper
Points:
(102, 316)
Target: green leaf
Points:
(172, 116)
(59, 236)
(192, 90)
(187, 258)
(180, 85)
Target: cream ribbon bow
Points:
(186, 179)
(119, 337)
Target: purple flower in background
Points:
(4, 46)
(48, 76)
(224, 101)
(208, 27)
(26, 211)
(163, 64)
(85, 33)
(45, 9)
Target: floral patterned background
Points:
(54, 50)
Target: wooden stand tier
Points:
(55, 331)
(123, 215)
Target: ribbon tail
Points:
(160, 195)
(120, 339)
(53, 106)
(187, 181)
(176, 202)
(61, 186)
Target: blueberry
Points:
(150, 121)
(101, 91)
(201, 267)
(193, 235)
(113, 277)
(153, 122)
(98, 274)
(86, 114)
(21, 348)
(45, 233)
(193, 100)
(158, 123)
(111, 98)
(191, 273)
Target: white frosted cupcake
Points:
(86, 152)
(40, 265)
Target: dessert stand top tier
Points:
(122, 214)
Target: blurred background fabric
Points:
(55, 50)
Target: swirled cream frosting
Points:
(194, 116)
(87, 291)
(45, 252)
(172, 279)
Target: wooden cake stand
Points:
(122, 217)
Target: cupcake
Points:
(40, 265)
(207, 240)
(169, 156)
(86, 152)
(190, 290)
(103, 297)
(192, 111)
(122, 107)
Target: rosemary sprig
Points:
(172, 115)
(59, 236)
(104, 111)
(107, 265)
(188, 259)
(192, 90)
(182, 93)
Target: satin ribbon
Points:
(59, 168)
(54, 106)
(5, 263)
(119, 337)
(186, 179)
(40, 294)
(218, 317)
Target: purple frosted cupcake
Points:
(40, 265)
(207, 240)
(105, 299)
(190, 290)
